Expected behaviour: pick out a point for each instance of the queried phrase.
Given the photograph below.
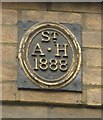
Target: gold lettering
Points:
(36, 64)
(37, 50)
(61, 49)
(53, 64)
(46, 37)
(63, 65)
(43, 64)
(55, 35)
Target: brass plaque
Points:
(49, 55)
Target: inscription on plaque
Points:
(49, 55)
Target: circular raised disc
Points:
(50, 55)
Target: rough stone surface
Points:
(0, 93)
(9, 34)
(91, 39)
(91, 76)
(9, 72)
(0, 19)
(51, 16)
(94, 96)
(8, 91)
(92, 57)
(25, 5)
(9, 17)
(24, 111)
(61, 112)
(93, 21)
(48, 112)
(9, 54)
(77, 7)
(50, 97)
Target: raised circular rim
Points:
(35, 72)
(34, 78)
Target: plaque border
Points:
(28, 73)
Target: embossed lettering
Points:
(36, 64)
(63, 65)
(43, 64)
(46, 36)
(63, 49)
(54, 35)
(37, 49)
(53, 65)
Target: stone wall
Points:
(34, 104)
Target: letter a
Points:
(37, 50)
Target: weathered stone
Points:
(9, 54)
(51, 16)
(93, 21)
(91, 39)
(92, 57)
(8, 91)
(77, 7)
(0, 92)
(9, 17)
(94, 96)
(50, 97)
(9, 34)
(18, 111)
(67, 112)
(91, 76)
(9, 72)
(24, 5)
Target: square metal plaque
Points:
(49, 56)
